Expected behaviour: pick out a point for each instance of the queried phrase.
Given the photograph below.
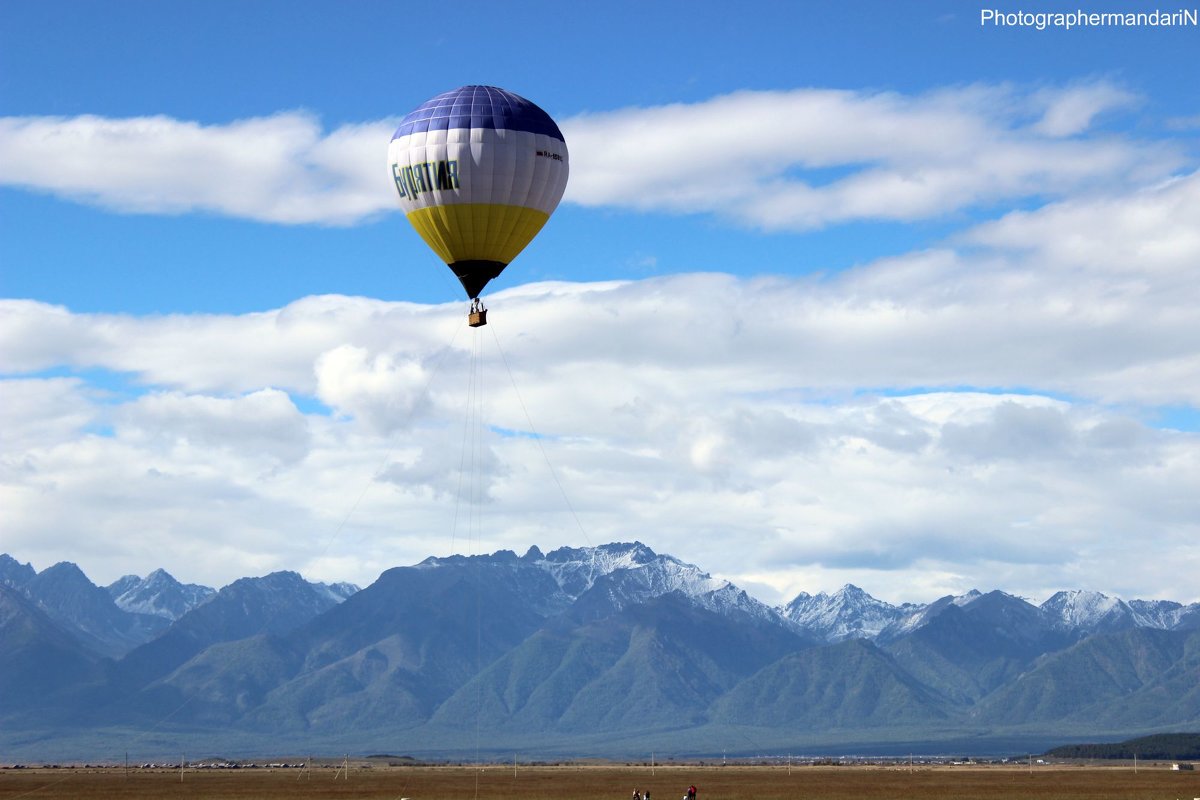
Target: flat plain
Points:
(614, 782)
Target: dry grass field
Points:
(1150, 782)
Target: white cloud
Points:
(1071, 111)
(738, 423)
(263, 423)
(1141, 235)
(193, 351)
(794, 432)
(36, 410)
(282, 168)
(783, 160)
(801, 159)
(381, 390)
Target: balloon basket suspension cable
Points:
(468, 506)
(477, 317)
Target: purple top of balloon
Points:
(478, 107)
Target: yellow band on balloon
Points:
(477, 231)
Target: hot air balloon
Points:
(478, 170)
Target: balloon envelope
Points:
(478, 171)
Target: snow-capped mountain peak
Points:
(631, 572)
(847, 613)
(337, 592)
(1092, 612)
(1079, 608)
(1162, 614)
(158, 594)
(966, 599)
(576, 569)
(609, 577)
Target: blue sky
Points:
(813, 259)
(215, 63)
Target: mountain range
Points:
(610, 650)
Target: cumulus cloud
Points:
(36, 410)
(283, 168)
(807, 158)
(227, 353)
(1135, 234)
(1071, 111)
(969, 415)
(811, 431)
(381, 390)
(264, 422)
(775, 160)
